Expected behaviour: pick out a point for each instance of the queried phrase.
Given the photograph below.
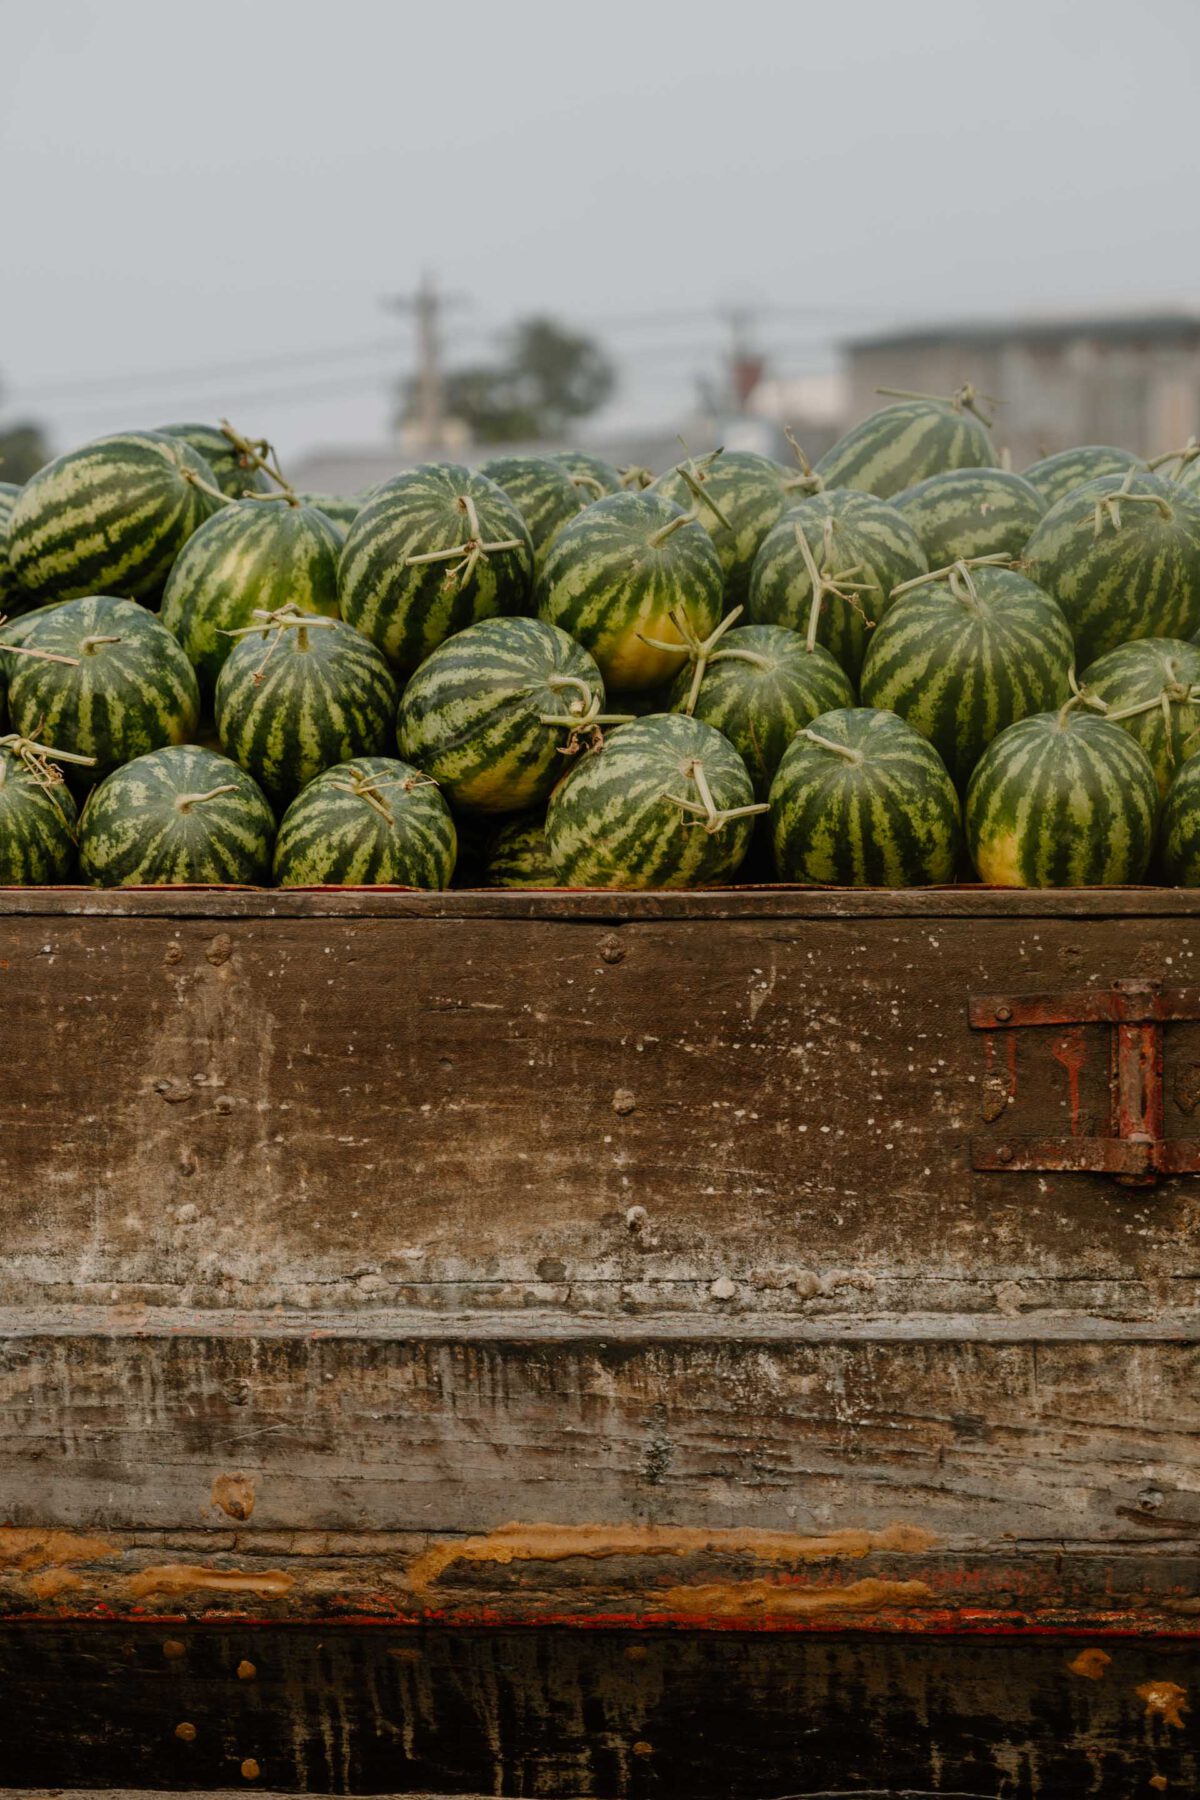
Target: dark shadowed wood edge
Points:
(592, 907)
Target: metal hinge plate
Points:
(1135, 1150)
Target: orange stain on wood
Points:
(234, 1495)
(1164, 1700)
(31, 1549)
(47, 1583)
(768, 1599)
(183, 1578)
(1071, 1051)
(1091, 1664)
(559, 1543)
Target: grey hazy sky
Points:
(188, 186)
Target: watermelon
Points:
(971, 512)
(860, 799)
(665, 803)
(1121, 555)
(300, 693)
(1059, 475)
(372, 822)
(109, 518)
(1152, 688)
(542, 492)
(862, 548)
(37, 817)
(904, 443)
(615, 574)
(758, 685)
(752, 492)
(176, 817)
(493, 713)
(343, 509)
(11, 600)
(254, 556)
(434, 550)
(130, 690)
(1179, 837)
(1062, 799)
(591, 474)
(519, 856)
(963, 653)
(232, 461)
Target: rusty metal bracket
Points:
(1135, 1151)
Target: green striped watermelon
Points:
(904, 443)
(1062, 799)
(591, 474)
(372, 822)
(542, 492)
(615, 574)
(862, 549)
(235, 470)
(965, 652)
(860, 799)
(519, 856)
(752, 492)
(1056, 476)
(130, 690)
(666, 803)
(11, 599)
(1179, 836)
(758, 685)
(37, 817)
(971, 512)
(109, 518)
(254, 556)
(343, 509)
(1152, 688)
(475, 715)
(181, 816)
(434, 550)
(299, 694)
(1121, 555)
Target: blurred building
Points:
(1131, 380)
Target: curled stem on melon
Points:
(997, 559)
(259, 453)
(692, 474)
(635, 478)
(848, 751)
(584, 719)
(206, 487)
(1181, 459)
(1111, 504)
(707, 810)
(700, 650)
(592, 482)
(368, 788)
(40, 763)
(270, 626)
(185, 802)
(470, 552)
(807, 481)
(840, 586)
(963, 399)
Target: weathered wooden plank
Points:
(585, 905)
(901, 1482)
(767, 1116)
(712, 1716)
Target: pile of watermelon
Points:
(904, 665)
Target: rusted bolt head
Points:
(246, 1671)
(1004, 1012)
(172, 1648)
(250, 1769)
(623, 1101)
(611, 949)
(1004, 1154)
(185, 1731)
(1150, 1499)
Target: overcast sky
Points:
(190, 188)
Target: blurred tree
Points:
(23, 451)
(548, 378)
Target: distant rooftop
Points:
(988, 333)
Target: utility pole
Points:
(426, 306)
(746, 365)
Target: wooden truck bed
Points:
(798, 1290)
